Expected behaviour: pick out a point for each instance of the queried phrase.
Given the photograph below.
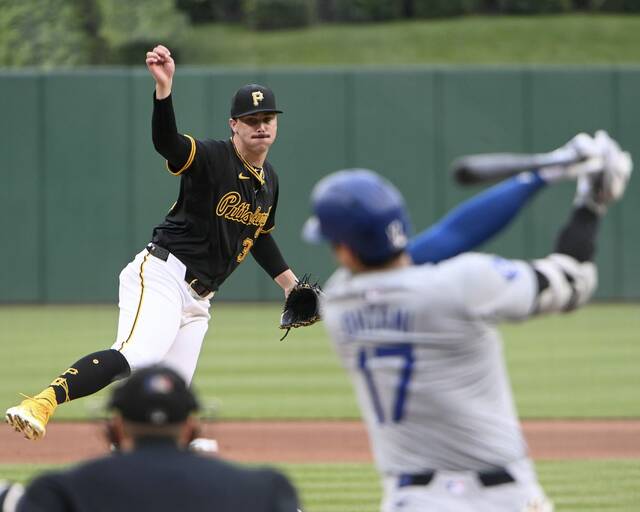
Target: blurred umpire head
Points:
(363, 216)
(154, 402)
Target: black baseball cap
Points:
(251, 99)
(156, 395)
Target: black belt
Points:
(163, 254)
(489, 478)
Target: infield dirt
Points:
(322, 441)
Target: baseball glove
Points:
(302, 306)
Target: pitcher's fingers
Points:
(152, 58)
(163, 51)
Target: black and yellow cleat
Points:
(33, 414)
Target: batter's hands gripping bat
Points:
(578, 156)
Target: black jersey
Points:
(223, 206)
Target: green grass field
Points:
(560, 39)
(579, 365)
(574, 486)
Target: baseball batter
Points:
(421, 347)
(225, 211)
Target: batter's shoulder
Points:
(455, 272)
(466, 260)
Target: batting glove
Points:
(597, 190)
(585, 155)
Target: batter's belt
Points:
(489, 478)
(192, 281)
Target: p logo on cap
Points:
(251, 99)
(257, 97)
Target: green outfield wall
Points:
(81, 186)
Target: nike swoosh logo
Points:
(243, 177)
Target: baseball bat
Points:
(492, 167)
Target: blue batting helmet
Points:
(362, 210)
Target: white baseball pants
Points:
(461, 491)
(161, 319)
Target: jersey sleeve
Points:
(493, 288)
(179, 165)
(475, 221)
(271, 219)
(203, 155)
(266, 252)
(181, 151)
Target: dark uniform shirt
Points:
(222, 208)
(158, 477)
(225, 209)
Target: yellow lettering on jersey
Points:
(71, 371)
(247, 243)
(232, 207)
(257, 97)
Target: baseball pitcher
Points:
(225, 210)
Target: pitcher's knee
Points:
(138, 359)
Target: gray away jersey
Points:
(426, 361)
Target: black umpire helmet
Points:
(251, 99)
(156, 395)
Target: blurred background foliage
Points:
(68, 33)
(129, 29)
(36, 32)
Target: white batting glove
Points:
(596, 191)
(585, 154)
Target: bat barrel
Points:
(493, 167)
